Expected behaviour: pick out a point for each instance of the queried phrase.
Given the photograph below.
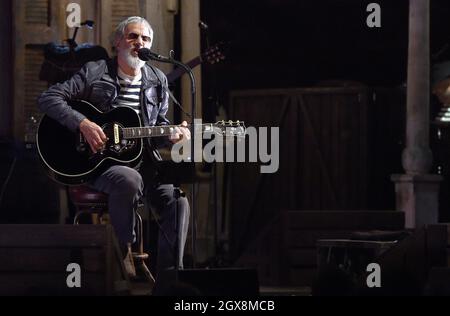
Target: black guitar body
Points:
(69, 159)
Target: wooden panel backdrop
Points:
(338, 147)
(6, 73)
(38, 22)
(35, 24)
(323, 154)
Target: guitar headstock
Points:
(214, 54)
(230, 128)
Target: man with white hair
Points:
(127, 81)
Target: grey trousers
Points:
(125, 187)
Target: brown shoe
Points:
(129, 263)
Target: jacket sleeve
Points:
(161, 142)
(53, 102)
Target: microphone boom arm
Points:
(182, 65)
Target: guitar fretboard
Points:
(159, 131)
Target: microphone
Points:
(203, 26)
(146, 54)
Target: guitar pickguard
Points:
(117, 145)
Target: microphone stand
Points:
(188, 70)
(214, 102)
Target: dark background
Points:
(293, 43)
(290, 44)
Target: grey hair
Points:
(120, 29)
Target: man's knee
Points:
(129, 182)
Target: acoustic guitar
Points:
(69, 160)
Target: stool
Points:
(89, 201)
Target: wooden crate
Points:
(302, 230)
(285, 251)
(34, 259)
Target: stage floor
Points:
(140, 288)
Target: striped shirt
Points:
(130, 89)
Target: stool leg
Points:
(140, 258)
(76, 219)
(148, 275)
(140, 233)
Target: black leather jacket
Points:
(97, 83)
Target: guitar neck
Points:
(160, 131)
(178, 72)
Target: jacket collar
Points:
(110, 73)
(149, 77)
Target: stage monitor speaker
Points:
(60, 260)
(208, 282)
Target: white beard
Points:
(133, 62)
